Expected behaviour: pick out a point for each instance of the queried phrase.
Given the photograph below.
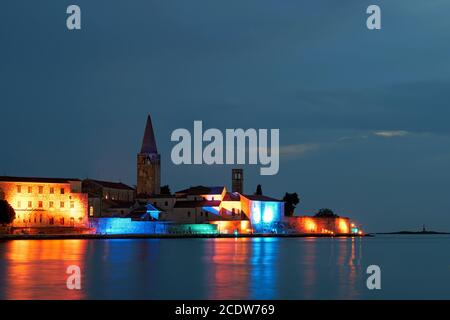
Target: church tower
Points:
(237, 180)
(148, 164)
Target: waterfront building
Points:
(108, 199)
(45, 202)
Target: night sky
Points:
(363, 115)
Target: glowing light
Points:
(310, 225)
(343, 226)
(268, 214)
(256, 214)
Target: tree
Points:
(326, 213)
(7, 213)
(259, 190)
(290, 201)
(165, 189)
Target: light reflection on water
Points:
(241, 268)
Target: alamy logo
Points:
(74, 279)
(234, 151)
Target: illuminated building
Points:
(45, 202)
(108, 199)
(320, 225)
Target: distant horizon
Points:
(362, 113)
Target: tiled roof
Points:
(37, 179)
(199, 190)
(232, 196)
(149, 141)
(260, 198)
(112, 185)
(196, 204)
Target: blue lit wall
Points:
(265, 215)
(127, 226)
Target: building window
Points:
(62, 220)
(189, 214)
(50, 204)
(166, 203)
(19, 189)
(91, 211)
(40, 218)
(40, 204)
(52, 190)
(51, 220)
(41, 189)
(62, 190)
(61, 204)
(72, 204)
(19, 204)
(30, 189)
(30, 204)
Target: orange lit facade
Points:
(319, 225)
(233, 226)
(46, 202)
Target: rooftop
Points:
(200, 190)
(109, 184)
(254, 197)
(37, 179)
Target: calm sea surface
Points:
(412, 267)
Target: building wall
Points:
(127, 226)
(40, 204)
(264, 216)
(117, 194)
(234, 226)
(336, 225)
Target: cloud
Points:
(298, 150)
(391, 133)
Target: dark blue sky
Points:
(363, 115)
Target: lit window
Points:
(91, 211)
(52, 190)
(30, 204)
(40, 204)
(72, 204)
(62, 190)
(41, 189)
(19, 189)
(61, 204)
(30, 189)
(50, 204)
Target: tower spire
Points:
(149, 141)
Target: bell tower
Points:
(148, 164)
(237, 180)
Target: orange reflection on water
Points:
(230, 271)
(36, 269)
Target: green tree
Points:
(165, 189)
(325, 212)
(7, 213)
(258, 190)
(290, 202)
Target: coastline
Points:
(167, 236)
